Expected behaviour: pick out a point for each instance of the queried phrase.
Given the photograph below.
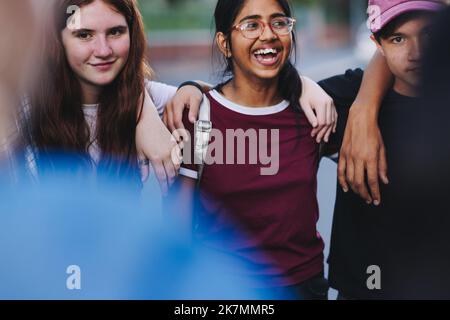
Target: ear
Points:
(379, 46)
(222, 43)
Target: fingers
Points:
(310, 115)
(322, 134)
(362, 162)
(382, 165)
(144, 167)
(350, 173)
(359, 182)
(314, 132)
(372, 179)
(331, 121)
(321, 119)
(194, 108)
(326, 123)
(166, 171)
(328, 134)
(177, 157)
(161, 176)
(176, 135)
(342, 166)
(336, 118)
(145, 172)
(171, 172)
(169, 115)
(177, 116)
(174, 111)
(329, 115)
(181, 136)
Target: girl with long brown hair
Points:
(91, 90)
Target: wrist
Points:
(192, 84)
(362, 108)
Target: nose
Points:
(102, 48)
(416, 50)
(267, 33)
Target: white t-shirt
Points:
(159, 92)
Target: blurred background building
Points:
(181, 31)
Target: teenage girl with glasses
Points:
(268, 221)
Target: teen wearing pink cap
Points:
(381, 12)
(363, 153)
(384, 252)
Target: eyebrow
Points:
(253, 17)
(118, 27)
(397, 34)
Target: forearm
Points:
(155, 143)
(307, 81)
(377, 80)
(362, 158)
(149, 116)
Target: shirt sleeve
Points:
(161, 94)
(188, 167)
(343, 89)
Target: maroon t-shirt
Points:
(267, 218)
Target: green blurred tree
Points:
(173, 3)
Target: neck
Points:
(90, 93)
(406, 89)
(252, 93)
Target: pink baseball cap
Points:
(381, 12)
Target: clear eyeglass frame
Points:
(257, 31)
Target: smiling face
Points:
(97, 50)
(403, 50)
(261, 58)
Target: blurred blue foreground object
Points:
(67, 238)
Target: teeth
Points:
(266, 51)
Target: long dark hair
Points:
(289, 84)
(58, 123)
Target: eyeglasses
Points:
(253, 29)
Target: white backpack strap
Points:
(203, 128)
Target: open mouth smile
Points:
(267, 56)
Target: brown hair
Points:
(58, 123)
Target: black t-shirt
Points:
(406, 236)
